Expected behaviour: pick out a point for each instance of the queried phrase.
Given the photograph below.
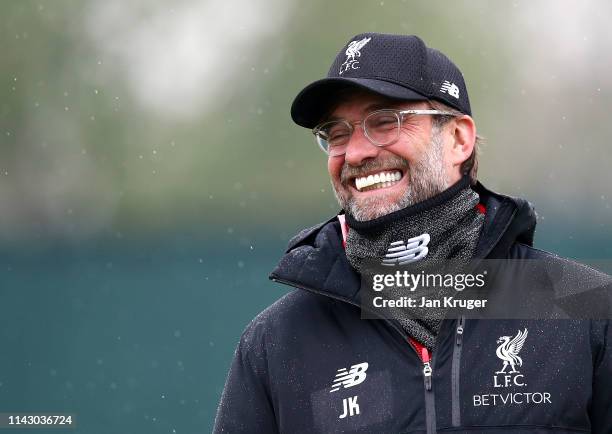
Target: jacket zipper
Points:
(455, 373)
(427, 370)
(430, 403)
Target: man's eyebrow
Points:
(378, 106)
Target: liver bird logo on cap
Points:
(352, 52)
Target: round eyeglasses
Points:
(381, 127)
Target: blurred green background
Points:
(150, 175)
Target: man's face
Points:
(418, 156)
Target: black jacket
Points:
(282, 378)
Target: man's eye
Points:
(335, 136)
(384, 122)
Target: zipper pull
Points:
(427, 370)
(459, 334)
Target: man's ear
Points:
(463, 133)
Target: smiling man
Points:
(394, 119)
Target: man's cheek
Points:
(334, 167)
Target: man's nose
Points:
(359, 148)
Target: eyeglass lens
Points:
(381, 128)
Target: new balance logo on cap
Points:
(450, 88)
(414, 250)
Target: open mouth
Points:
(378, 180)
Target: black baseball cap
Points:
(396, 66)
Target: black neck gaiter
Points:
(453, 225)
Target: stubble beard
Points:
(426, 178)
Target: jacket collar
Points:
(508, 220)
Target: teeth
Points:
(378, 180)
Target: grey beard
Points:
(426, 178)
